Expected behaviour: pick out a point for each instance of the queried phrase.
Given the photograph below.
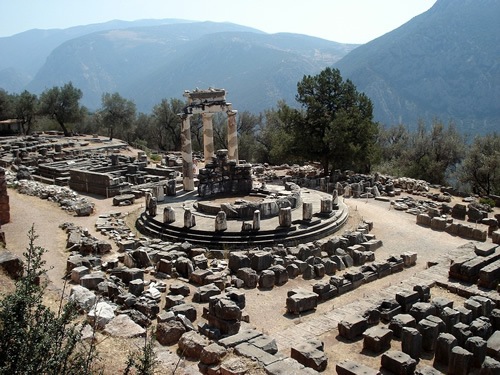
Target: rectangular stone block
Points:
(377, 339)
(354, 368)
(352, 327)
(398, 363)
(411, 342)
(407, 299)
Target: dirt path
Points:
(27, 211)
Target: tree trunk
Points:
(65, 130)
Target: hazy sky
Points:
(346, 21)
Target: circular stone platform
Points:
(270, 233)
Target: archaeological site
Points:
(239, 268)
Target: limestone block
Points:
(83, 297)
(352, 327)
(173, 300)
(424, 220)
(292, 270)
(92, 280)
(123, 326)
(309, 356)
(388, 309)
(438, 223)
(407, 299)
(398, 362)
(495, 319)
(409, 258)
(440, 303)
(481, 327)
(445, 342)
(164, 266)
(348, 367)
(285, 217)
(136, 287)
(249, 276)
(261, 260)
(411, 342)
(212, 354)
(238, 260)
(300, 300)
(168, 215)
(325, 290)
(266, 279)
(450, 317)
(100, 315)
(477, 346)
(265, 343)
(203, 293)
(474, 306)
(400, 321)
(462, 332)
(78, 272)
(198, 276)
(460, 361)
(430, 333)
(169, 333)
(487, 304)
(490, 366)
(421, 310)
(465, 316)
(192, 343)
(489, 275)
(377, 339)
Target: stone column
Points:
(232, 136)
(208, 137)
(220, 221)
(256, 220)
(189, 219)
(168, 215)
(307, 211)
(285, 217)
(326, 205)
(148, 197)
(187, 153)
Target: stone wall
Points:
(223, 176)
(4, 199)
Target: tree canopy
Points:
(117, 113)
(336, 124)
(62, 104)
(481, 166)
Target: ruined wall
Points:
(95, 183)
(4, 199)
(224, 176)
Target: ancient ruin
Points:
(276, 270)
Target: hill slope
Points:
(442, 64)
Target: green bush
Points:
(33, 338)
(485, 200)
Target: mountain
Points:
(146, 63)
(444, 64)
(24, 54)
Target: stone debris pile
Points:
(80, 240)
(67, 199)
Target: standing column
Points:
(232, 136)
(187, 153)
(208, 137)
